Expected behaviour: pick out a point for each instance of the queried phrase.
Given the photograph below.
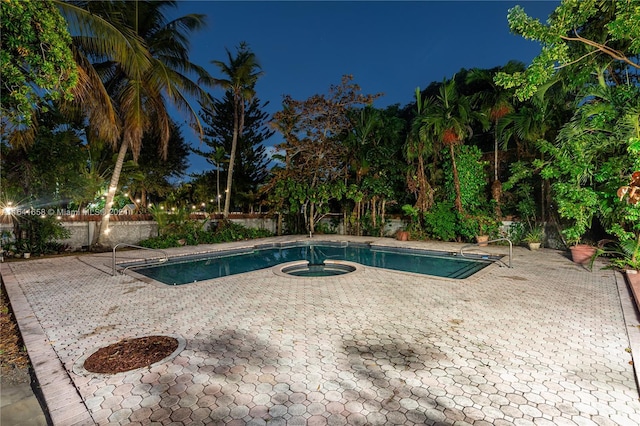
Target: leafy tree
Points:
(580, 38)
(242, 73)
(447, 118)
(150, 178)
(495, 102)
(592, 158)
(141, 79)
(593, 46)
(314, 152)
(375, 165)
(419, 147)
(45, 172)
(250, 168)
(35, 58)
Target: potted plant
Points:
(486, 227)
(534, 237)
(402, 235)
(580, 253)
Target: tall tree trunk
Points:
(218, 185)
(103, 230)
(234, 146)
(456, 180)
(496, 186)
(238, 128)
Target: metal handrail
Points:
(113, 256)
(491, 241)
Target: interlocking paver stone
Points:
(507, 346)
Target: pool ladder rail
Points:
(487, 242)
(154, 261)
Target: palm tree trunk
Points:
(238, 124)
(218, 185)
(234, 145)
(103, 229)
(456, 180)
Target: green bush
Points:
(192, 233)
(440, 221)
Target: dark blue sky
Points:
(389, 46)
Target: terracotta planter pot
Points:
(482, 239)
(582, 253)
(402, 236)
(534, 246)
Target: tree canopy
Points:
(35, 57)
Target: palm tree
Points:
(218, 156)
(419, 146)
(138, 85)
(447, 118)
(496, 102)
(241, 76)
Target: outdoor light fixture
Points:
(137, 200)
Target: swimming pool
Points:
(207, 266)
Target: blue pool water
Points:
(205, 267)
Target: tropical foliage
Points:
(552, 142)
(35, 57)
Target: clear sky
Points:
(388, 46)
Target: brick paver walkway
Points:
(543, 343)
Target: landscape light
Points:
(138, 200)
(58, 217)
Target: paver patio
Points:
(545, 342)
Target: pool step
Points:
(466, 271)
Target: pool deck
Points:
(543, 343)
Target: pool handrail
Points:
(113, 256)
(487, 242)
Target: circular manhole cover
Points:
(130, 354)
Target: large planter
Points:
(534, 246)
(582, 253)
(482, 240)
(402, 236)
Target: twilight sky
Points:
(389, 46)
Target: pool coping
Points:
(127, 266)
(64, 404)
